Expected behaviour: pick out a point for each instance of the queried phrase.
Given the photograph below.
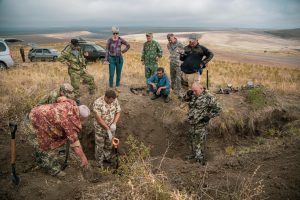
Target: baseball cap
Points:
(66, 87)
(75, 42)
(193, 37)
(149, 34)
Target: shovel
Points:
(115, 142)
(13, 129)
(67, 152)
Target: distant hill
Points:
(287, 33)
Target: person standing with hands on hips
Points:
(114, 57)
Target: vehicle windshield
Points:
(54, 51)
(98, 48)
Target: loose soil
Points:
(163, 127)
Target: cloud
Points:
(208, 13)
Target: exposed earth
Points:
(249, 152)
(163, 128)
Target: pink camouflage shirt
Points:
(54, 123)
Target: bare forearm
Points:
(117, 117)
(101, 122)
(78, 150)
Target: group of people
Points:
(58, 116)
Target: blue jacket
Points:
(160, 82)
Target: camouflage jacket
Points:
(54, 123)
(175, 51)
(203, 108)
(151, 51)
(76, 62)
(50, 98)
(106, 111)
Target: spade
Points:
(13, 129)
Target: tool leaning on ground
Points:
(13, 129)
(207, 79)
(115, 142)
(67, 152)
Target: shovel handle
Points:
(13, 151)
(13, 129)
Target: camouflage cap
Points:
(170, 35)
(193, 37)
(66, 87)
(149, 34)
(75, 42)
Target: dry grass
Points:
(23, 86)
(139, 181)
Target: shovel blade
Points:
(15, 179)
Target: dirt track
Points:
(158, 125)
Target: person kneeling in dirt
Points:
(65, 89)
(202, 107)
(107, 112)
(159, 85)
(51, 125)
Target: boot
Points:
(154, 96)
(167, 99)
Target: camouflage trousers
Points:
(198, 135)
(103, 147)
(150, 70)
(75, 76)
(175, 73)
(49, 160)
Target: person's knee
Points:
(165, 92)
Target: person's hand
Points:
(113, 127)
(84, 163)
(105, 62)
(86, 53)
(109, 135)
(158, 91)
(154, 86)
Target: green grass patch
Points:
(256, 97)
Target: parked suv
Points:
(43, 54)
(6, 60)
(94, 51)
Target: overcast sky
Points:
(172, 13)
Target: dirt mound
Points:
(163, 127)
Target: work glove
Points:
(109, 135)
(113, 127)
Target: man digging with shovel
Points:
(51, 125)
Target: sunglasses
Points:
(115, 33)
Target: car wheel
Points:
(32, 59)
(2, 66)
(54, 58)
